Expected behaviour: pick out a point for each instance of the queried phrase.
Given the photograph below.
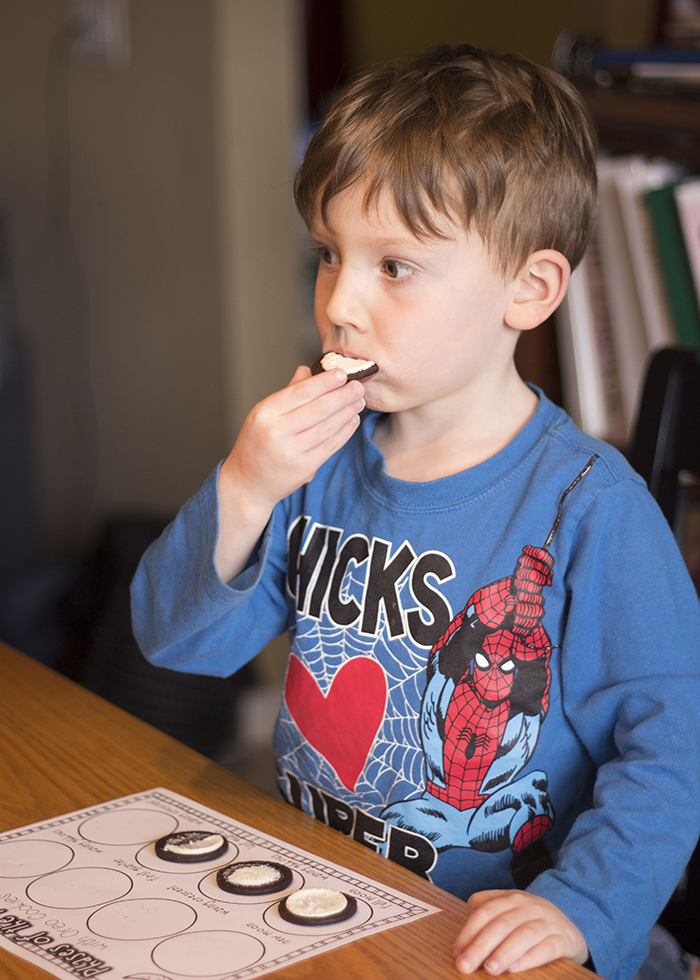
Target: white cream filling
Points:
(253, 876)
(200, 845)
(312, 903)
(348, 364)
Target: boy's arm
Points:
(513, 930)
(184, 616)
(630, 690)
(281, 445)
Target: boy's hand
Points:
(291, 433)
(283, 441)
(514, 930)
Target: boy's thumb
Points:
(301, 374)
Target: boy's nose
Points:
(344, 304)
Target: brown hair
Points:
(493, 141)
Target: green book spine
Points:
(675, 264)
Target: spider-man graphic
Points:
(486, 695)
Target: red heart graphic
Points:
(342, 724)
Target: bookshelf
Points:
(627, 122)
(537, 359)
(630, 122)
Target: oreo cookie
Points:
(317, 907)
(190, 846)
(356, 368)
(254, 877)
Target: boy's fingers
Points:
(309, 460)
(484, 945)
(338, 438)
(478, 919)
(515, 931)
(324, 406)
(315, 447)
(324, 428)
(533, 943)
(477, 899)
(296, 444)
(301, 405)
(519, 945)
(310, 421)
(496, 932)
(305, 388)
(535, 955)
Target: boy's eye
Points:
(324, 253)
(396, 269)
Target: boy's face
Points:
(429, 313)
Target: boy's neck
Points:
(435, 441)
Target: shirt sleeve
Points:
(631, 690)
(184, 616)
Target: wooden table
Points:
(63, 749)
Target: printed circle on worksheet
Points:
(123, 826)
(79, 888)
(148, 858)
(142, 918)
(207, 954)
(29, 858)
(275, 921)
(209, 887)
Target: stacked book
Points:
(635, 291)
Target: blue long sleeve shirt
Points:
(434, 714)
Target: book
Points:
(658, 70)
(688, 203)
(624, 59)
(629, 335)
(632, 183)
(675, 262)
(588, 366)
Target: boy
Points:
(488, 614)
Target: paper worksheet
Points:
(85, 895)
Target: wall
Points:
(153, 262)
(143, 219)
(257, 54)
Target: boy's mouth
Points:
(356, 368)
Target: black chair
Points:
(667, 434)
(667, 442)
(103, 656)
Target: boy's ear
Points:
(538, 289)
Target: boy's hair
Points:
(492, 141)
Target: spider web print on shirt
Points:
(395, 766)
